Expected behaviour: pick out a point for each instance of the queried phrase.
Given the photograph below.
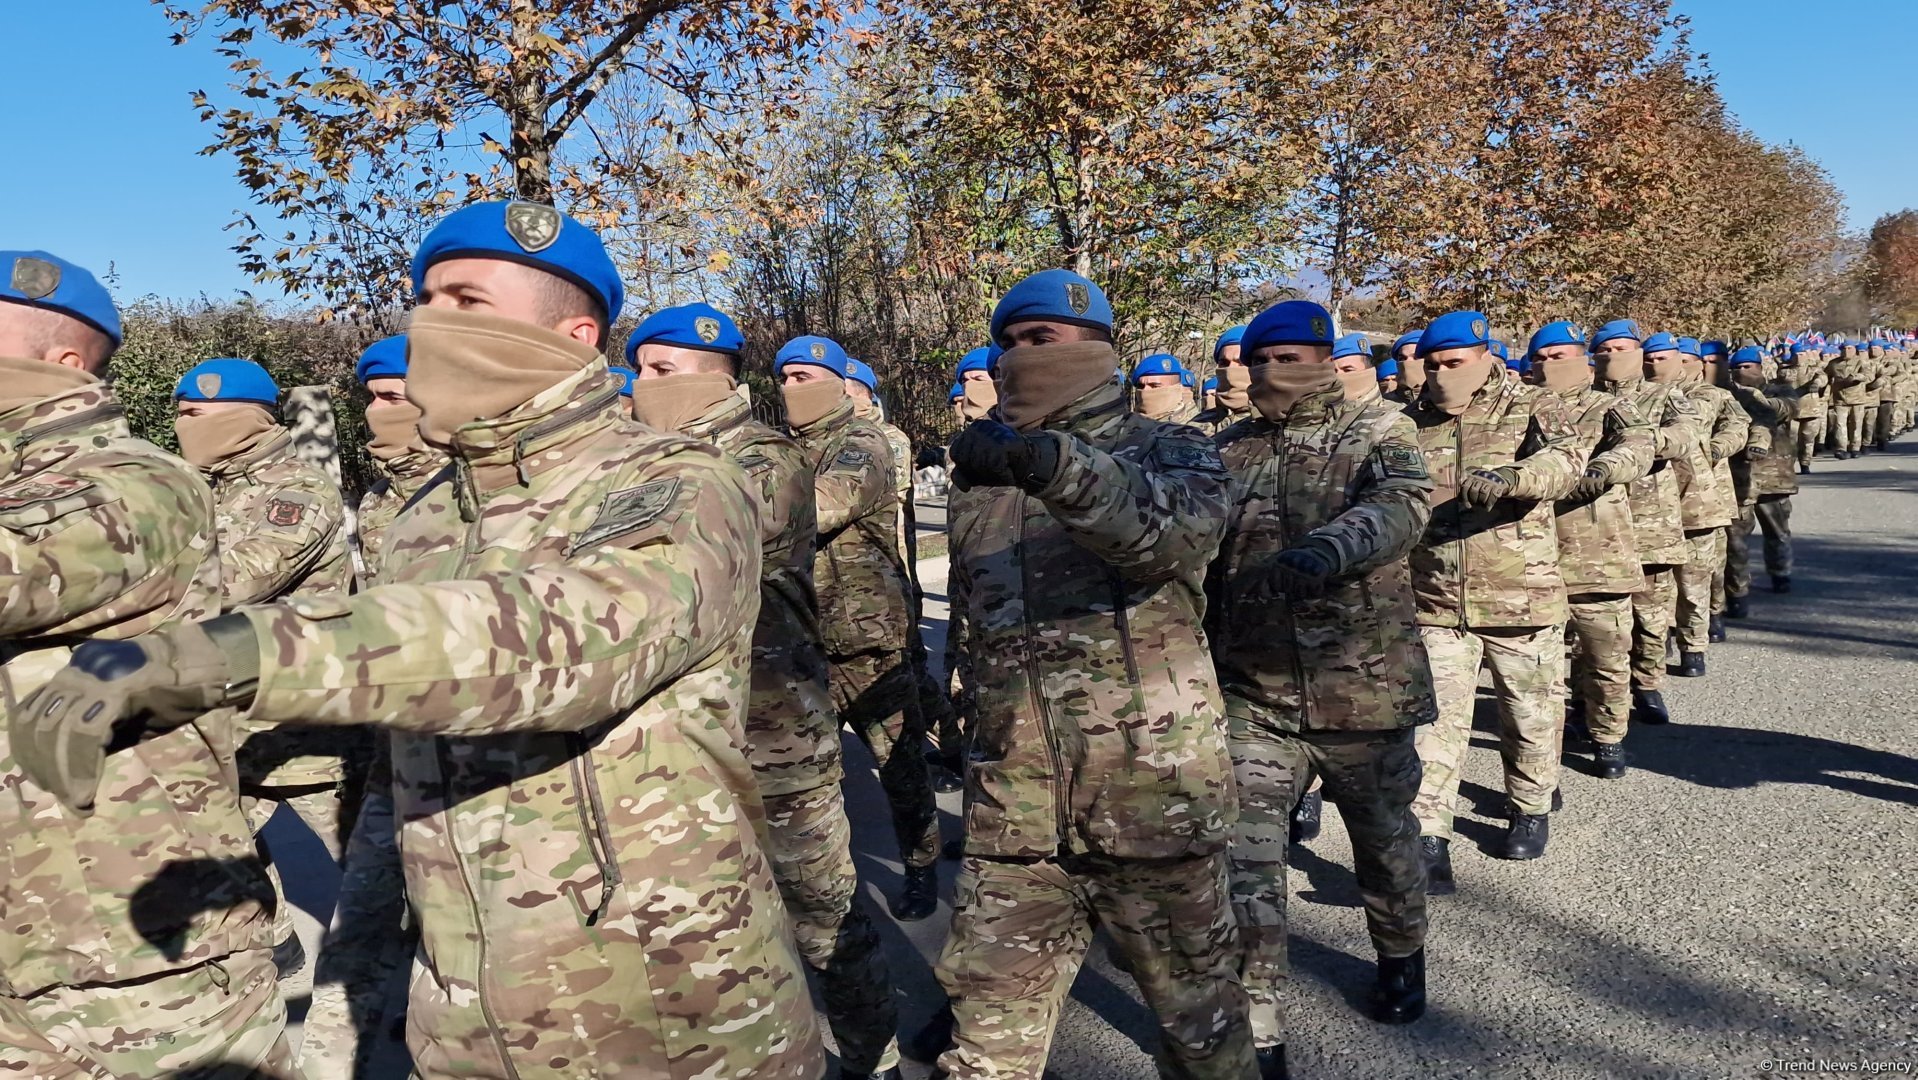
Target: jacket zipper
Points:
(1062, 819)
(1458, 506)
(1291, 617)
(592, 815)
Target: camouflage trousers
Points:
(319, 806)
(1020, 929)
(1810, 431)
(1849, 433)
(1773, 515)
(1868, 427)
(1372, 777)
(877, 695)
(1528, 673)
(1887, 425)
(1651, 625)
(1692, 603)
(809, 844)
(221, 1020)
(358, 995)
(1600, 636)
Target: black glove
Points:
(1592, 484)
(992, 454)
(119, 692)
(1485, 487)
(1298, 573)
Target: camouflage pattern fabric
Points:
(1596, 551)
(399, 480)
(1848, 423)
(1811, 431)
(1705, 492)
(280, 525)
(1652, 609)
(1372, 777)
(561, 655)
(1772, 514)
(1099, 727)
(878, 698)
(1348, 481)
(1692, 600)
(1216, 419)
(1600, 636)
(1657, 516)
(1767, 462)
(110, 920)
(1851, 395)
(1020, 929)
(1498, 567)
(1528, 669)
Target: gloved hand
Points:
(119, 692)
(1297, 573)
(1485, 487)
(989, 453)
(1593, 484)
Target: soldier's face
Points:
(1153, 382)
(1291, 354)
(1350, 363)
(1405, 354)
(1605, 348)
(1558, 352)
(1229, 356)
(386, 392)
(207, 408)
(1388, 384)
(656, 360)
(804, 373)
(497, 287)
(1441, 359)
(857, 391)
(1022, 334)
(976, 376)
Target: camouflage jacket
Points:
(1494, 567)
(1099, 726)
(857, 567)
(1349, 480)
(560, 652)
(1185, 412)
(901, 448)
(103, 535)
(1216, 419)
(399, 480)
(282, 528)
(792, 729)
(1769, 463)
(1596, 552)
(1851, 381)
(1657, 519)
(1706, 497)
(1809, 379)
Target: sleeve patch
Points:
(38, 489)
(1402, 462)
(1183, 455)
(628, 511)
(852, 458)
(46, 497)
(286, 513)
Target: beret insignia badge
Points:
(1478, 327)
(707, 329)
(1319, 328)
(818, 350)
(35, 279)
(533, 226)
(1077, 297)
(208, 384)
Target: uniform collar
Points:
(274, 445)
(730, 413)
(497, 454)
(82, 411)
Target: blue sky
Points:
(106, 170)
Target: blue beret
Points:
(1387, 369)
(384, 359)
(1293, 322)
(817, 351)
(1158, 364)
(1562, 332)
(1709, 348)
(958, 391)
(1185, 378)
(531, 234)
(1211, 384)
(1351, 345)
(40, 280)
(1455, 330)
(688, 326)
(227, 379)
(1498, 349)
(625, 373)
(1750, 354)
(1059, 296)
(861, 372)
(1410, 337)
(1689, 346)
(1233, 336)
(979, 359)
(1660, 342)
(1617, 328)
(1802, 347)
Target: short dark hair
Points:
(45, 330)
(561, 299)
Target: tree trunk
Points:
(526, 110)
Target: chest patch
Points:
(1176, 455)
(629, 510)
(285, 513)
(40, 489)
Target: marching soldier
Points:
(1352, 362)
(1805, 369)
(1410, 368)
(401, 459)
(1706, 499)
(1766, 464)
(1233, 405)
(1851, 377)
(1161, 384)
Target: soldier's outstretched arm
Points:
(1628, 444)
(1767, 408)
(1391, 505)
(1150, 519)
(295, 526)
(1729, 433)
(1555, 462)
(1677, 431)
(855, 482)
(552, 648)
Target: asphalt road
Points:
(1745, 897)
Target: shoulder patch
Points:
(1175, 454)
(1401, 462)
(286, 513)
(852, 458)
(43, 497)
(629, 510)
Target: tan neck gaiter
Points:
(1278, 388)
(1620, 366)
(808, 402)
(1039, 381)
(1234, 382)
(865, 408)
(980, 396)
(464, 367)
(1450, 389)
(1412, 374)
(1691, 371)
(1160, 402)
(1665, 368)
(24, 381)
(396, 430)
(1563, 373)
(1361, 385)
(210, 438)
(673, 403)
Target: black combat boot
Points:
(1436, 851)
(953, 849)
(1737, 607)
(926, 1044)
(1558, 799)
(1306, 817)
(1780, 583)
(1716, 632)
(1691, 665)
(945, 782)
(919, 896)
(1272, 1063)
(1610, 760)
(1527, 836)
(1648, 707)
(890, 1074)
(1804, 470)
(1399, 996)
